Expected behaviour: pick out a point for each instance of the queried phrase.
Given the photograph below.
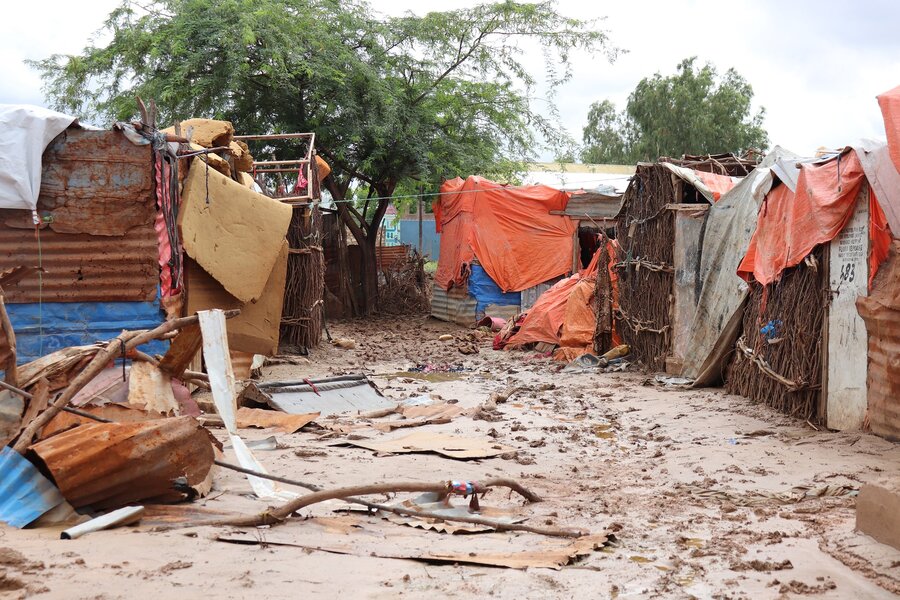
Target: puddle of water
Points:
(603, 430)
(692, 542)
(639, 559)
(429, 377)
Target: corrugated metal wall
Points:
(98, 251)
(431, 240)
(881, 312)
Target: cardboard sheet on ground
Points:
(258, 417)
(359, 537)
(221, 382)
(237, 236)
(428, 441)
(256, 329)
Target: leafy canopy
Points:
(391, 99)
(692, 112)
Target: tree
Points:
(392, 101)
(691, 112)
(603, 136)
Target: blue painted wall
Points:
(431, 240)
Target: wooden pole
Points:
(421, 210)
(12, 373)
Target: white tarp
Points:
(729, 227)
(883, 177)
(25, 132)
(690, 176)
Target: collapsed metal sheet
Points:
(332, 396)
(25, 494)
(108, 465)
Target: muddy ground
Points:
(693, 486)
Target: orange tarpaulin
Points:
(890, 110)
(545, 319)
(717, 184)
(508, 229)
(791, 224)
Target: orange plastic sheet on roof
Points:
(717, 184)
(545, 320)
(790, 225)
(890, 110)
(508, 229)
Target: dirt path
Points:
(688, 481)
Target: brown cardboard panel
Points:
(236, 236)
(255, 330)
(209, 133)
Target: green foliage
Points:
(393, 101)
(691, 112)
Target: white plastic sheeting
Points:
(25, 132)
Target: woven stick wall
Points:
(646, 235)
(302, 314)
(778, 358)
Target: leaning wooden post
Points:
(12, 374)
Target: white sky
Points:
(816, 67)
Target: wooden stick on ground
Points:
(349, 494)
(116, 347)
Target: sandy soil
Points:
(686, 480)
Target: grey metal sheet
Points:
(328, 398)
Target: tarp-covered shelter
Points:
(821, 233)
(496, 242)
(115, 243)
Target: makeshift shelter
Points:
(134, 226)
(820, 237)
(496, 242)
(658, 232)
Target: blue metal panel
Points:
(487, 292)
(25, 494)
(44, 328)
(431, 240)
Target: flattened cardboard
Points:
(209, 133)
(256, 329)
(237, 236)
(259, 417)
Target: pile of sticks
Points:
(721, 164)
(781, 366)
(404, 287)
(302, 317)
(646, 235)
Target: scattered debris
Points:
(439, 443)
(330, 396)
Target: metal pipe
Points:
(122, 516)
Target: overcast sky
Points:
(815, 66)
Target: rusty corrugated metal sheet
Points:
(100, 244)
(108, 465)
(881, 312)
(388, 255)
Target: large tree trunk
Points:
(366, 235)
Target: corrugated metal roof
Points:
(108, 465)
(25, 494)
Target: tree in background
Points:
(692, 112)
(393, 101)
